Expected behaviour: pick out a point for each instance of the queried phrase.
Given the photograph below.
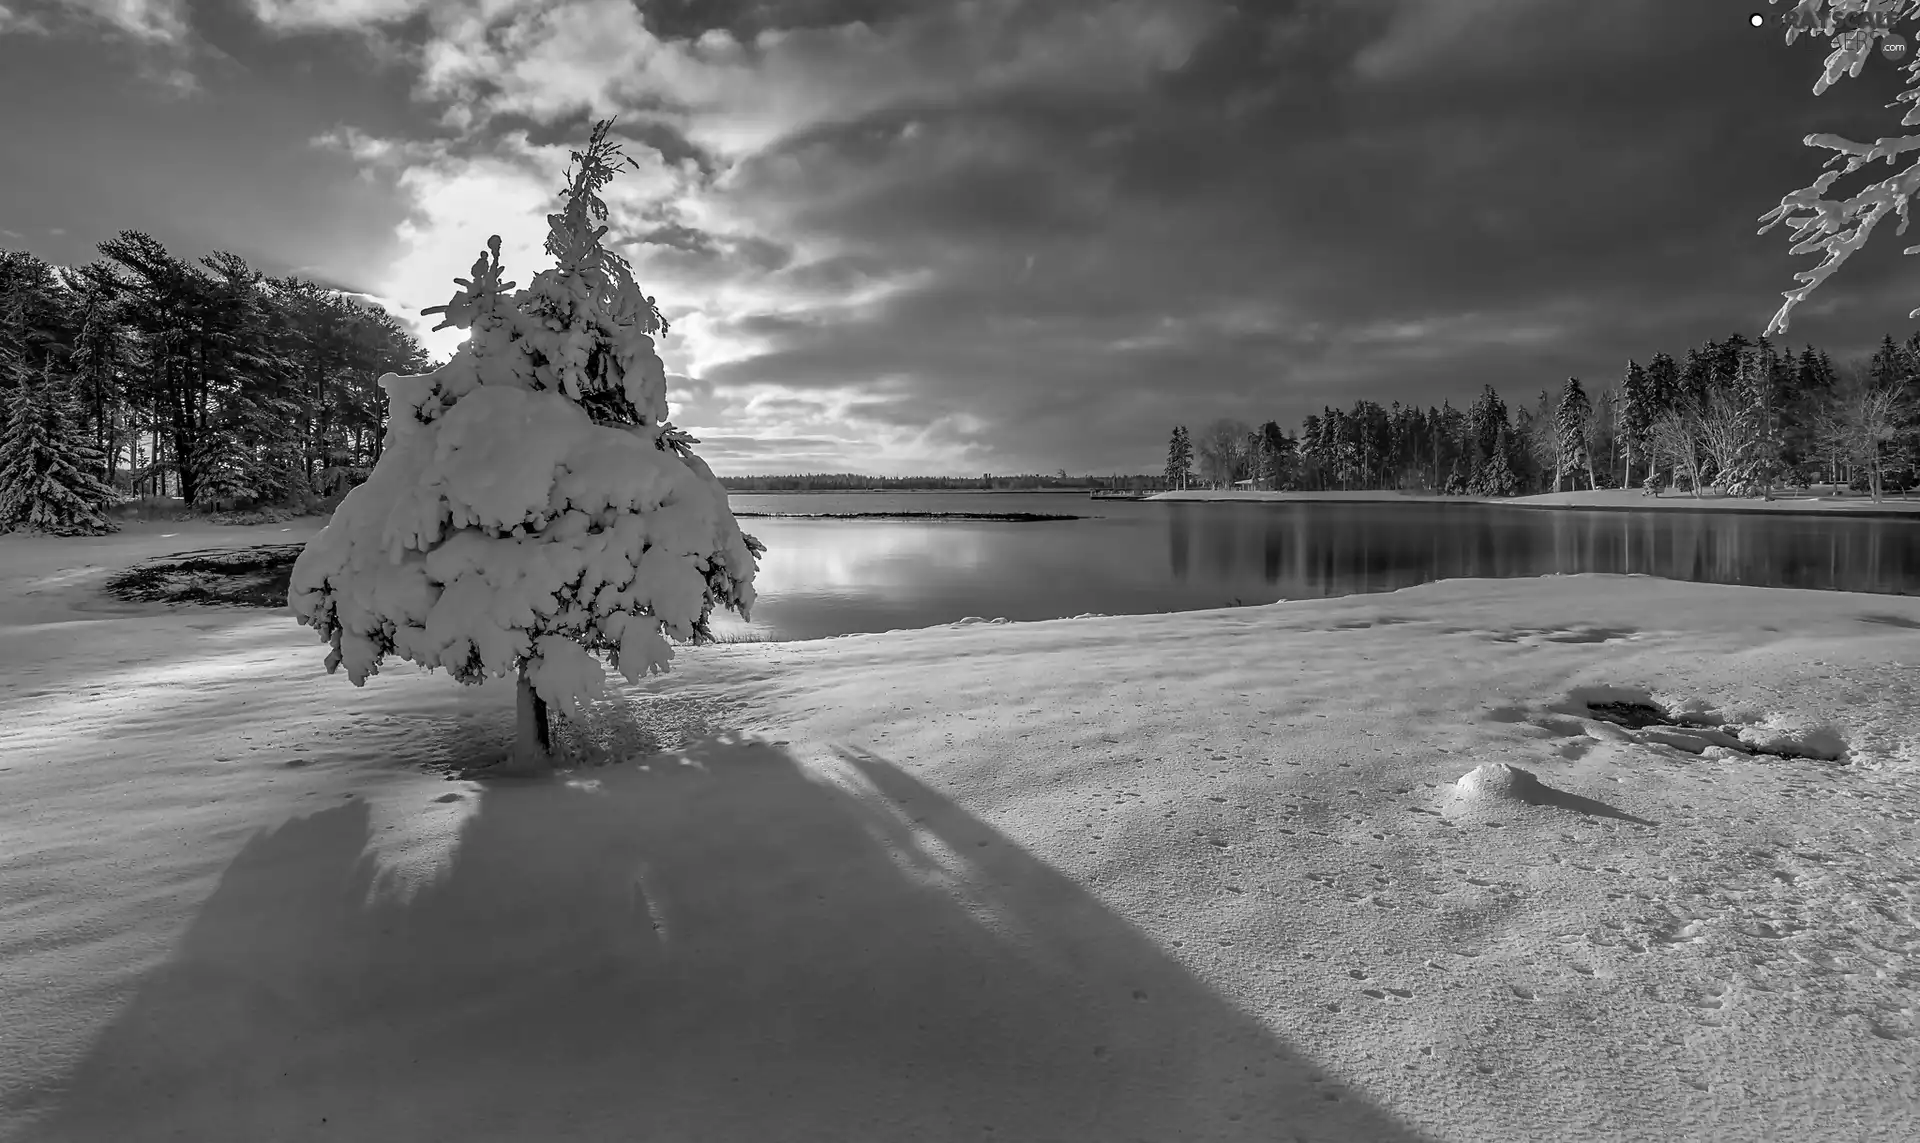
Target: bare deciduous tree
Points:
(1719, 423)
(1860, 419)
(1217, 448)
(1672, 439)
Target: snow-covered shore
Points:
(1193, 876)
(1605, 498)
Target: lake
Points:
(831, 577)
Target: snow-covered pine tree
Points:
(46, 466)
(1497, 476)
(1570, 420)
(1758, 388)
(532, 506)
(1839, 227)
(1663, 396)
(1179, 458)
(1636, 414)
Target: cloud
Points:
(12, 21)
(313, 15)
(159, 21)
(990, 233)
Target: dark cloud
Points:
(1545, 188)
(1064, 226)
(682, 238)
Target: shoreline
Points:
(1605, 500)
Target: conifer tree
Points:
(1635, 414)
(102, 361)
(1759, 391)
(1570, 423)
(1662, 397)
(1497, 476)
(1273, 454)
(46, 467)
(532, 506)
(1179, 458)
(1696, 375)
(1485, 419)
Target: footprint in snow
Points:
(1710, 997)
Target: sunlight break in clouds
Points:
(302, 15)
(747, 260)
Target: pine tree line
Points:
(1741, 416)
(142, 373)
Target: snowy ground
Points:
(1203, 876)
(1601, 498)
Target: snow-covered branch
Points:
(1837, 228)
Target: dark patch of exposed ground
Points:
(1645, 716)
(244, 577)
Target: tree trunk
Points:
(533, 733)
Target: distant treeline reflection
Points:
(1332, 550)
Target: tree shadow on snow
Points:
(735, 945)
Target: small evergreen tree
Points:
(1179, 458)
(1485, 419)
(46, 467)
(532, 506)
(1497, 477)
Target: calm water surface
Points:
(833, 577)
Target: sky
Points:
(965, 236)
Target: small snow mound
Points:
(1496, 781)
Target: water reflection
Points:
(830, 577)
(1337, 550)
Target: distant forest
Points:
(856, 482)
(207, 380)
(1739, 416)
(202, 379)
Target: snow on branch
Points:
(532, 507)
(1838, 228)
